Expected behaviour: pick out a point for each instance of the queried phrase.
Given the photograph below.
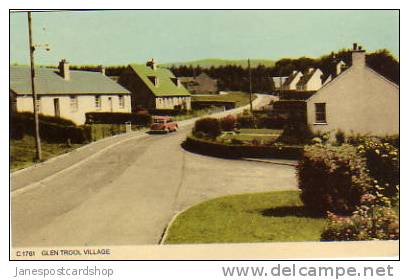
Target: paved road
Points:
(126, 194)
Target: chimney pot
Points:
(151, 64)
(355, 46)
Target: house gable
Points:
(359, 100)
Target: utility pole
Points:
(36, 121)
(250, 89)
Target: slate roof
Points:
(166, 86)
(49, 81)
(290, 78)
(306, 77)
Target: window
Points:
(121, 102)
(74, 103)
(98, 102)
(320, 113)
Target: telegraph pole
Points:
(36, 121)
(250, 89)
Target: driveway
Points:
(126, 194)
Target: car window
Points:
(159, 121)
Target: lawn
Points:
(257, 217)
(197, 113)
(241, 98)
(22, 151)
(250, 134)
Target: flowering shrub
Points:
(332, 178)
(228, 123)
(370, 221)
(382, 160)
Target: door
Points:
(111, 108)
(56, 107)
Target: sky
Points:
(123, 37)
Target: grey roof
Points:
(290, 78)
(306, 77)
(49, 81)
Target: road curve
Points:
(127, 194)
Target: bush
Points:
(209, 126)
(332, 178)
(295, 133)
(359, 139)
(340, 137)
(228, 123)
(382, 160)
(370, 221)
(139, 118)
(246, 121)
(394, 140)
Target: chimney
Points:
(101, 69)
(294, 72)
(310, 70)
(358, 56)
(64, 68)
(151, 64)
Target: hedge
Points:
(332, 178)
(296, 95)
(139, 118)
(51, 129)
(167, 112)
(212, 148)
(29, 116)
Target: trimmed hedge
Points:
(52, 129)
(139, 118)
(212, 148)
(332, 178)
(29, 116)
(208, 126)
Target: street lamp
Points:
(33, 47)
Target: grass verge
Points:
(241, 98)
(258, 217)
(22, 152)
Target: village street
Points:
(126, 194)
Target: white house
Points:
(358, 101)
(67, 93)
(311, 80)
(292, 80)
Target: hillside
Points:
(216, 62)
